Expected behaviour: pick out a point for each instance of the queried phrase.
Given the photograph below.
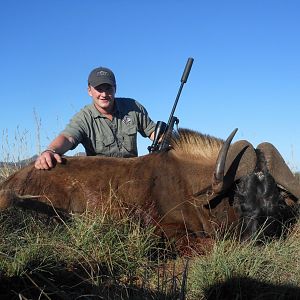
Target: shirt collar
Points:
(97, 114)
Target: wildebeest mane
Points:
(193, 143)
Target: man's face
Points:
(103, 96)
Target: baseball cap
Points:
(101, 75)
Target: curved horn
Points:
(220, 164)
(279, 169)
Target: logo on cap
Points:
(102, 73)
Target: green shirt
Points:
(116, 138)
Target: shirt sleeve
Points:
(146, 125)
(75, 129)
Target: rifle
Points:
(165, 130)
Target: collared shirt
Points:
(116, 138)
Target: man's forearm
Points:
(61, 144)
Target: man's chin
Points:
(104, 104)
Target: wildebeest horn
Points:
(220, 164)
(279, 169)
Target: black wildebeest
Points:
(198, 186)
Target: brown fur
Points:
(172, 188)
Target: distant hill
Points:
(20, 163)
(79, 154)
(27, 161)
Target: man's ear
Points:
(89, 90)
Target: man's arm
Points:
(52, 154)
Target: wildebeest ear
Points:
(240, 161)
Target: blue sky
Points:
(246, 70)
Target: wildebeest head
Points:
(260, 203)
(263, 210)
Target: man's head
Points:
(100, 76)
(102, 88)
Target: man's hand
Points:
(47, 160)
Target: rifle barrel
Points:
(184, 78)
(187, 70)
(163, 129)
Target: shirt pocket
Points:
(129, 136)
(102, 145)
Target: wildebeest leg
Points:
(6, 199)
(279, 169)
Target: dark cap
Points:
(101, 75)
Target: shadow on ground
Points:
(249, 289)
(68, 285)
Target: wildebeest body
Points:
(158, 184)
(175, 189)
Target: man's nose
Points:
(103, 92)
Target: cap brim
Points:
(97, 83)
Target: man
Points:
(106, 127)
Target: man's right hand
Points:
(47, 160)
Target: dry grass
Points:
(103, 257)
(114, 259)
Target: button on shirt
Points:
(118, 137)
